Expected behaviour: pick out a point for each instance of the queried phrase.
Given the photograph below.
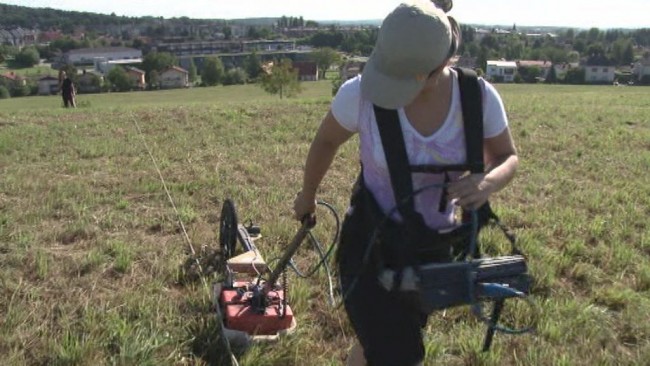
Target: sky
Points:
(565, 13)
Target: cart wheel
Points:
(228, 229)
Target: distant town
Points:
(111, 53)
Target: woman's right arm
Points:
(323, 148)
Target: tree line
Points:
(619, 47)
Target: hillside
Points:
(45, 18)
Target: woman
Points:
(68, 91)
(407, 71)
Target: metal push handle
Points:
(307, 224)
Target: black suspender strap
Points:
(392, 140)
(472, 104)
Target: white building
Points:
(599, 74)
(641, 69)
(501, 71)
(48, 85)
(87, 56)
(599, 70)
(268, 45)
(104, 66)
(174, 77)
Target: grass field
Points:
(32, 72)
(93, 263)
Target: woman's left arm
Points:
(500, 155)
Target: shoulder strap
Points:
(392, 140)
(472, 104)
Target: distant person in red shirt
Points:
(68, 91)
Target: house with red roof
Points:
(13, 79)
(137, 76)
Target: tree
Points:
(6, 51)
(157, 61)
(255, 32)
(20, 90)
(529, 74)
(551, 76)
(154, 80)
(573, 56)
(580, 45)
(212, 72)
(336, 84)
(4, 92)
(332, 38)
(360, 42)
(622, 51)
(282, 80)
(514, 49)
(490, 41)
(594, 35)
(227, 32)
(253, 66)
(596, 49)
(569, 34)
(191, 70)
(235, 76)
(468, 33)
(70, 70)
(324, 58)
(27, 58)
(628, 53)
(575, 76)
(119, 79)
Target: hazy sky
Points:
(571, 13)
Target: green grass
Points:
(31, 72)
(94, 264)
(230, 96)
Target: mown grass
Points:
(94, 262)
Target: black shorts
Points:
(388, 324)
(68, 99)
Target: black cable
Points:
(324, 256)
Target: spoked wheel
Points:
(228, 229)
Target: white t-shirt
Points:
(445, 146)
